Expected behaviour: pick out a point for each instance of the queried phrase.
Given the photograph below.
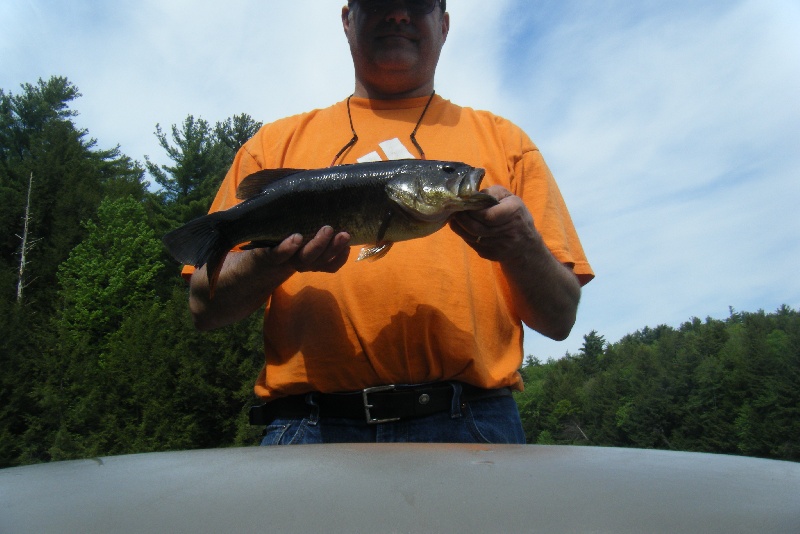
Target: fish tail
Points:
(200, 242)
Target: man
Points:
(425, 343)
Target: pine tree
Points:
(38, 136)
(107, 276)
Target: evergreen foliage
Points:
(70, 177)
(109, 273)
(715, 386)
(101, 356)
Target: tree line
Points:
(98, 352)
(99, 355)
(720, 386)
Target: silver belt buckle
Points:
(365, 396)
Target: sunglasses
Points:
(414, 7)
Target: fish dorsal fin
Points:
(254, 184)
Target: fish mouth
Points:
(471, 183)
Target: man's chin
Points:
(397, 59)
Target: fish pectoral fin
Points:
(384, 226)
(375, 252)
(254, 184)
(381, 247)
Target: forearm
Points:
(545, 293)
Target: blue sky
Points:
(673, 128)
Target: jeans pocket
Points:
(285, 432)
(494, 421)
(469, 420)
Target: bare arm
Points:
(248, 278)
(545, 292)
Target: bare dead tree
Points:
(27, 243)
(572, 430)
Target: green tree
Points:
(38, 137)
(198, 162)
(110, 272)
(234, 132)
(591, 353)
(200, 156)
(178, 388)
(19, 351)
(108, 275)
(714, 386)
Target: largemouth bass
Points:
(376, 203)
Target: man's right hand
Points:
(325, 252)
(248, 278)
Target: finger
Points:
(337, 253)
(484, 216)
(316, 247)
(506, 211)
(285, 249)
(498, 191)
(341, 240)
(469, 225)
(337, 261)
(331, 258)
(472, 238)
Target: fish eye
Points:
(449, 169)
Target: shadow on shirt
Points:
(422, 346)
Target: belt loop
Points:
(311, 400)
(455, 404)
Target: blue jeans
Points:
(492, 420)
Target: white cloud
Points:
(674, 135)
(156, 62)
(470, 71)
(672, 128)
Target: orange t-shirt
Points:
(431, 309)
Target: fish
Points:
(377, 203)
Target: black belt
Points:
(380, 404)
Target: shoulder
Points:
(270, 146)
(288, 125)
(499, 127)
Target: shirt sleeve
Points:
(534, 183)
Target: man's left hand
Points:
(544, 292)
(499, 233)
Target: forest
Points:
(99, 355)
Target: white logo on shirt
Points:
(392, 149)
